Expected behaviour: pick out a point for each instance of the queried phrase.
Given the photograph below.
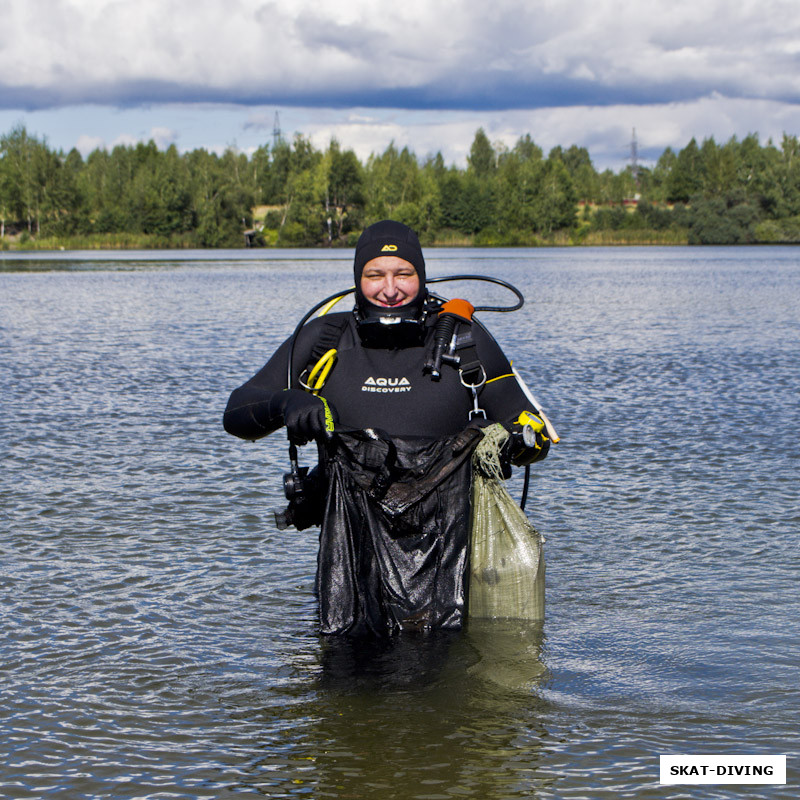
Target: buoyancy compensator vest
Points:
(399, 327)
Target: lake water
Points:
(158, 632)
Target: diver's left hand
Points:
(307, 416)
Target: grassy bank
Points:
(580, 237)
(573, 238)
(98, 241)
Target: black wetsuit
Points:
(383, 388)
(394, 541)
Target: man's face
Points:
(389, 281)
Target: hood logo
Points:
(386, 385)
(389, 248)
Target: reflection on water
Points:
(159, 633)
(500, 653)
(418, 716)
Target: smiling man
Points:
(381, 412)
(389, 281)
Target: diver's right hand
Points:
(306, 415)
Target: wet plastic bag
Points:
(506, 560)
(394, 543)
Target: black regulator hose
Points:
(486, 279)
(442, 336)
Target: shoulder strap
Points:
(328, 339)
(469, 364)
(324, 349)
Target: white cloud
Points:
(604, 130)
(163, 137)
(425, 73)
(445, 53)
(125, 140)
(85, 144)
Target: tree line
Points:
(294, 194)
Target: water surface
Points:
(159, 632)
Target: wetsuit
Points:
(385, 388)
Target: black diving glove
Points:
(306, 415)
(525, 446)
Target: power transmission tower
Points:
(276, 131)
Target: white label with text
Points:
(723, 769)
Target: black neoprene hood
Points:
(388, 238)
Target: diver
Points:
(394, 393)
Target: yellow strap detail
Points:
(320, 371)
(500, 377)
(328, 416)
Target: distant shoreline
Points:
(577, 238)
(592, 239)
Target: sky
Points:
(420, 73)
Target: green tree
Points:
(344, 192)
(788, 175)
(759, 175)
(273, 181)
(581, 171)
(393, 185)
(219, 205)
(482, 159)
(75, 217)
(261, 170)
(657, 188)
(502, 194)
(5, 195)
(159, 196)
(520, 178)
(557, 198)
(449, 183)
(686, 176)
(302, 223)
(19, 152)
(723, 220)
(719, 167)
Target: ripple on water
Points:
(158, 632)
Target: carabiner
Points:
(476, 411)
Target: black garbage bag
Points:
(394, 544)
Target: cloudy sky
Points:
(423, 73)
